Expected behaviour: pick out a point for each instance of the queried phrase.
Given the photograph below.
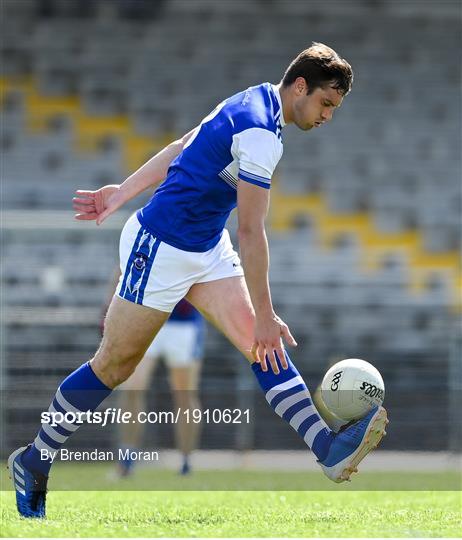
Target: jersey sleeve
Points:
(258, 151)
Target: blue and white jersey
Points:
(239, 140)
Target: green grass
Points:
(97, 477)
(337, 513)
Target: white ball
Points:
(351, 388)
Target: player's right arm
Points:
(98, 205)
(253, 204)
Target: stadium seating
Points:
(365, 214)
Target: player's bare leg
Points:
(184, 382)
(226, 303)
(128, 331)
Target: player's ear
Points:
(301, 86)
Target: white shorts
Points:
(179, 343)
(158, 275)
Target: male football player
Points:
(176, 247)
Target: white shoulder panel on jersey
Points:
(257, 151)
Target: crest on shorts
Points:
(140, 261)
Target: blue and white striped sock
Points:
(80, 391)
(289, 396)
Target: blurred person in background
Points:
(180, 344)
(176, 246)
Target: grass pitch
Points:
(336, 513)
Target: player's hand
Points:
(269, 332)
(98, 205)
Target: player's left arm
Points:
(259, 151)
(98, 205)
(253, 203)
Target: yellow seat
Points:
(90, 130)
(7, 84)
(138, 149)
(286, 208)
(40, 109)
(378, 245)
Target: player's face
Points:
(315, 109)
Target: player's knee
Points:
(114, 375)
(115, 367)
